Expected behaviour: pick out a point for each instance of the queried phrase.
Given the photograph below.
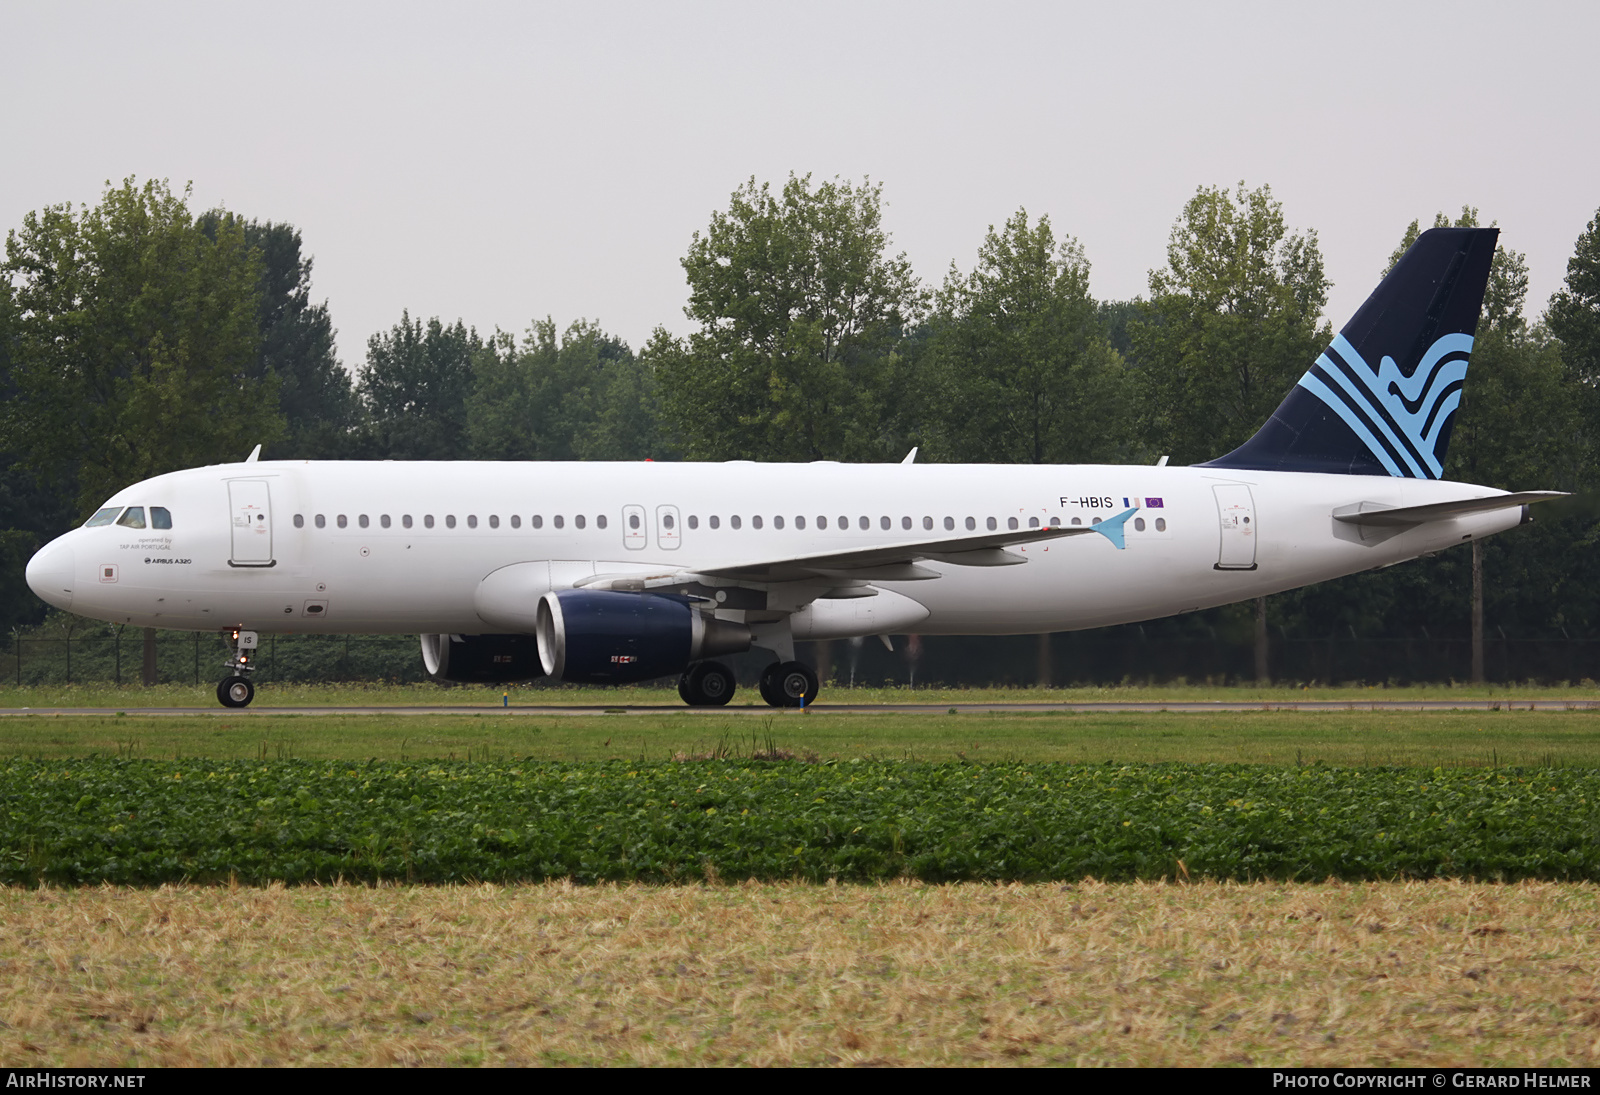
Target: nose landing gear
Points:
(235, 690)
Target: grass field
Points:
(544, 694)
(1141, 974)
(1426, 740)
(1434, 973)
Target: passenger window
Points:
(777, 522)
(666, 521)
(103, 517)
(1094, 520)
(159, 517)
(822, 523)
(1055, 522)
(427, 520)
(344, 522)
(384, 520)
(494, 520)
(578, 520)
(884, 523)
(755, 522)
(132, 518)
(299, 520)
(449, 520)
(559, 521)
(362, 521)
(949, 524)
(536, 521)
(1033, 522)
(633, 521)
(716, 522)
(1077, 520)
(1011, 522)
(927, 522)
(1161, 524)
(320, 521)
(844, 524)
(800, 522)
(734, 521)
(865, 523)
(472, 520)
(516, 521)
(1138, 524)
(406, 520)
(991, 524)
(600, 521)
(905, 522)
(694, 522)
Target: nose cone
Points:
(51, 574)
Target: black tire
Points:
(707, 684)
(236, 692)
(768, 685)
(795, 685)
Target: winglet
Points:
(911, 457)
(1111, 528)
(255, 454)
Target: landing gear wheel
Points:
(789, 684)
(236, 692)
(707, 684)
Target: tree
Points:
(1233, 320)
(1574, 318)
(315, 395)
(414, 389)
(1020, 358)
(800, 312)
(582, 397)
(133, 344)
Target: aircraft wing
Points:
(1372, 513)
(896, 562)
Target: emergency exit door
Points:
(1236, 512)
(251, 505)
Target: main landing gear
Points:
(236, 689)
(789, 684)
(707, 684)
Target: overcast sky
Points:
(501, 162)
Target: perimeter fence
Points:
(1116, 655)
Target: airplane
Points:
(615, 573)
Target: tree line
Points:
(138, 336)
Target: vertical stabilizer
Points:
(1382, 399)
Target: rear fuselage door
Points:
(634, 535)
(251, 506)
(1236, 510)
(668, 533)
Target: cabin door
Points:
(1236, 510)
(251, 503)
(668, 534)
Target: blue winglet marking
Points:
(1111, 528)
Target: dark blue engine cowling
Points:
(481, 659)
(592, 636)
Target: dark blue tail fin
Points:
(1382, 399)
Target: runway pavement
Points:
(542, 711)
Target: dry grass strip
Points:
(1145, 974)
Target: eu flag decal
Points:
(1142, 503)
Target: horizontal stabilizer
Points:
(1375, 514)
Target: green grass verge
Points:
(542, 694)
(1359, 738)
(142, 822)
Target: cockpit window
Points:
(132, 518)
(103, 517)
(160, 517)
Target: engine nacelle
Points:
(481, 659)
(594, 636)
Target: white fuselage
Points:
(407, 547)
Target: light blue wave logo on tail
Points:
(1399, 417)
